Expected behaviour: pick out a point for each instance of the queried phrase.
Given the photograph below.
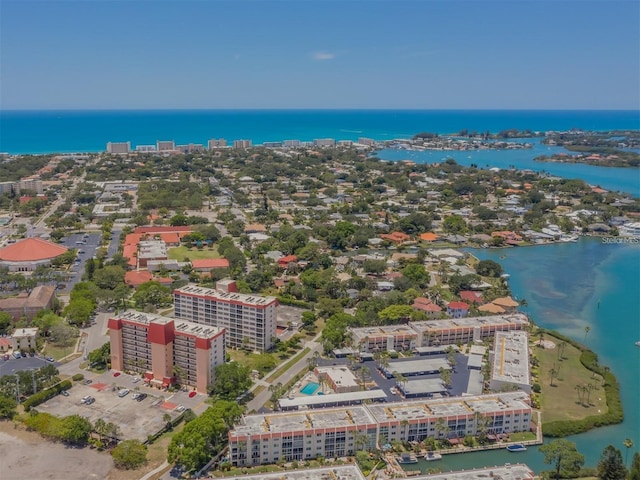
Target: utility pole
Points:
(33, 379)
(17, 389)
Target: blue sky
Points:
(428, 54)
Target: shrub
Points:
(44, 395)
(129, 454)
(78, 377)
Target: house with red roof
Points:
(285, 261)
(471, 296)
(396, 237)
(510, 238)
(208, 264)
(30, 253)
(457, 309)
(135, 278)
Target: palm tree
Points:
(588, 389)
(580, 391)
(552, 373)
(628, 443)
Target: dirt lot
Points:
(25, 455)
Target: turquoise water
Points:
(310, 388)
(89, 131)
(610, 178)
(567, 287)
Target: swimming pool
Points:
(310, 388)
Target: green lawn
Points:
(561, 401)
(288, 365)
(56, 351)
(262, 362)
(179, 253)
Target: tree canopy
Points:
(564, 457)
(231, 380)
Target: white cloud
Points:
(323, 56)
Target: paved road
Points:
(259, 400)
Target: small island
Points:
(604, 149)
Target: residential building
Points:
(457, 309)
(352, 472)
(384, 338)
(510, 365)
(119, 147)
(165, 145)
(215, 143)
(339, 379)
(249, 320)
(339, 432)
(324, 142)
(166, 350)
(242, 144)
(30, 183)
(24, 339)
(452, 331)
(29, 305)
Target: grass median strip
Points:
(288, 365)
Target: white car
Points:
(180, 408)
(135, 380)
(124, 392)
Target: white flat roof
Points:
(511, 357)
(425, 364)
(333, 398)
(339, 472)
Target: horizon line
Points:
(290, 109)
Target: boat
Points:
(517, 447)
(431, 456)
(407, 458)
(638, 343)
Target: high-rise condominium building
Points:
(249, 320)
(165, 350)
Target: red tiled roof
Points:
(432, 307)
(132, 238)
(170, 237)
(287, 260)
(469, 296)
(458, 305)
(154, 230)
(422, 300)
(209, 263)
(31, 249)
(135, 278)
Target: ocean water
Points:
(89, 131)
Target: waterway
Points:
(610, 178)
(570, 286)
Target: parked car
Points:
(88, 382)
(87, 400)
(90, 401)
(117, 374)
(64, 393)
(141, 397)
(135, 379)
(6, 356)
(49, 359)
(180, 408)
(17, 355)
(192, 394)
(124, 392)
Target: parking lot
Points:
(13, 365)
(136, 420)
(86, 244)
